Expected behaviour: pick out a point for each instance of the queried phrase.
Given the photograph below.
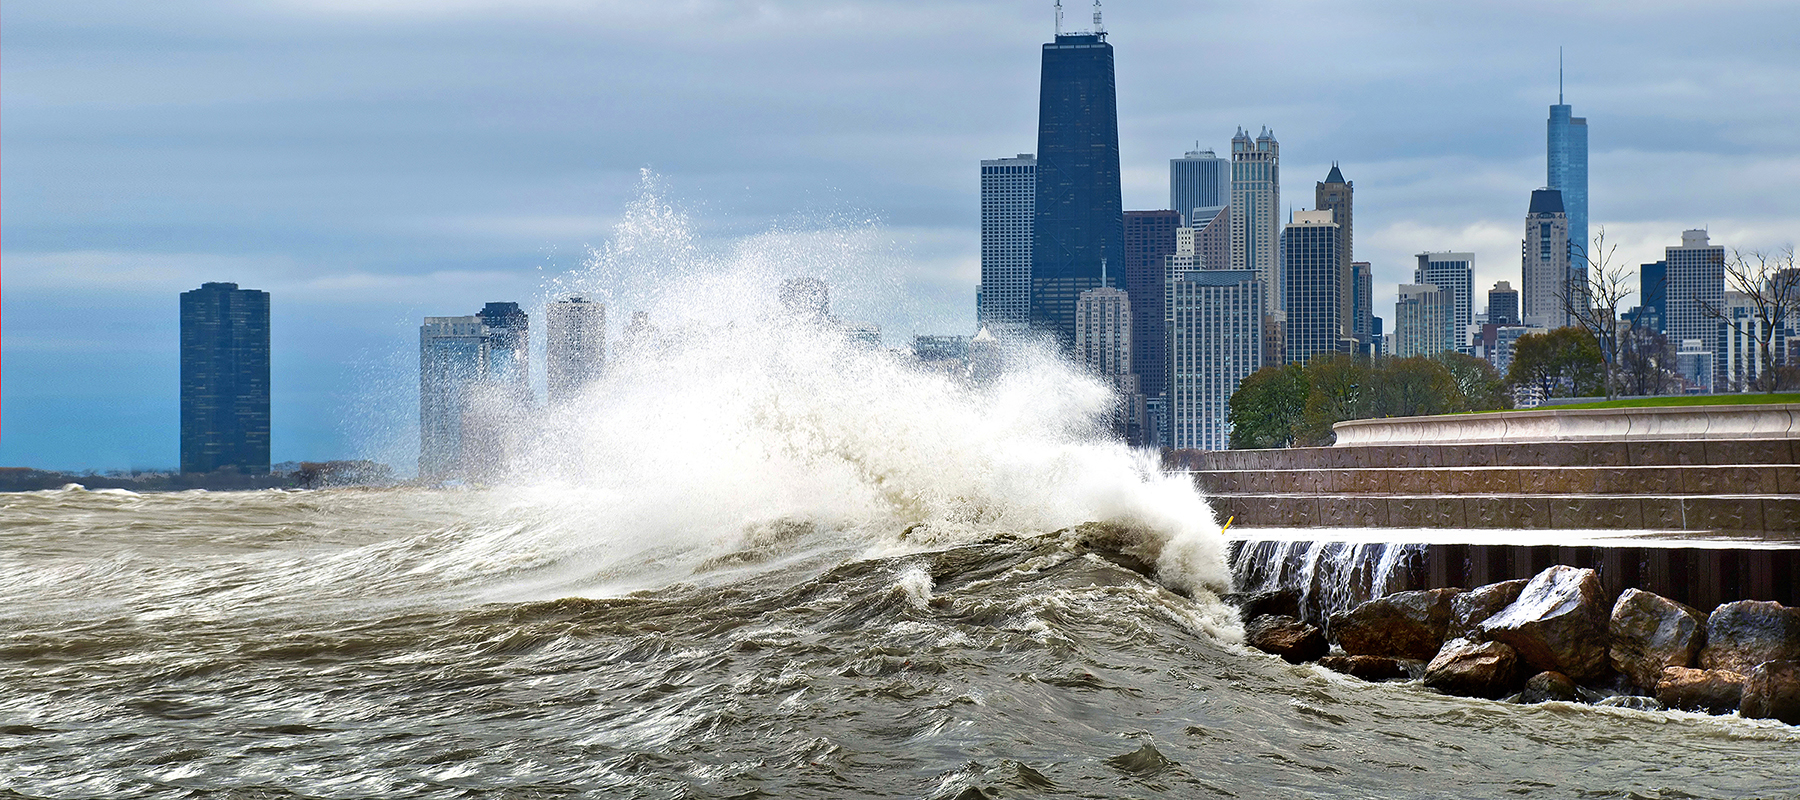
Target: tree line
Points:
(1297, 405)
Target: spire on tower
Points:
(1058, 17)
(1098, 28)
(1559, 76)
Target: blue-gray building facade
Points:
(1199, 179)
(1079, 214)
(225, 380)
(1568, 164)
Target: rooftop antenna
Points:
(1103, 281)
(1058, 17)
(1559, 76)
(1098, 28)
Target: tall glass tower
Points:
(1079, 215)
(1568, 144)
(225, 379)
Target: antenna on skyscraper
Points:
(1559, 76)
(1102, 264)
(1058, 17)
(1098, 28)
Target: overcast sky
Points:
(370, 162)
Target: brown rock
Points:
(1746, 633)
(1547, 686)
(1558, 624)
(1282, 635)
(1650, 632)
(1714, 691)
(1473, 607)
(1250, 605)
(1772, 691)
(1369, 668)
(1400, 625)
(1471, 669)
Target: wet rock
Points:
(1650, 632)
(1631, 701)
(1772, 691)
(1547, 686)
(1400, 625)
(1144, 761)
(1473, 669)
(1746, 633)
(1714, 691)
(1557, 624)
(1471, 608)
(1369, 668)
(1282, 635)
(1282, 602)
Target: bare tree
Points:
(1593, 304)
(1770, 286)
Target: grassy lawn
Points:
(1687, 400)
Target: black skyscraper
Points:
(1080, 217)
(225, 379)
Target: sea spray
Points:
(732, 412)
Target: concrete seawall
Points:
(1775, 421)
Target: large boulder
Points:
(1369, 668)
(1547, 686)
(1558, 624)
(1250, 605)
(1400, 625)
(1282, 635)
(1473, 607)
(1746, 633)
(1650, 632)
(1474, 669)
(1772, 691)
(1714, 691)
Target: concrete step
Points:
(1634, 453)
(1728, 513)
(1650, 480)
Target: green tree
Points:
(1561, 363)
(1338, 388)
(1478, 381)
(1415, 387)
(1266, 408)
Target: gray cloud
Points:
(377, 160)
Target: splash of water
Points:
(737, 431)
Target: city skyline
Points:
(361, 264)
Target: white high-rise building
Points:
(1215, 324)
(1103, 345)
(1008, 206)
(1420, 317)
(1199, 179)
(450, 361)
(1696, 282)
(1544, 262)
(576, 348)
(1453, 273)
(1256, 210)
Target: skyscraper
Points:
(450, 359)
(1199, 179)
(1544, 260)
(1313, 282)
(1008, 203)
(507, 351)
(1653, 293)
(1455, 274)
(225, 379)
(1335, 194)
(1215, 324)
(1362, 305)
(1568, 173)
(575, 346)
(1255, 209)
(1103, 342)
(1079, 214)
(1503, 304)
(1421, 321)
(1149, 241)
(1696, 282)
(1212, 238)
